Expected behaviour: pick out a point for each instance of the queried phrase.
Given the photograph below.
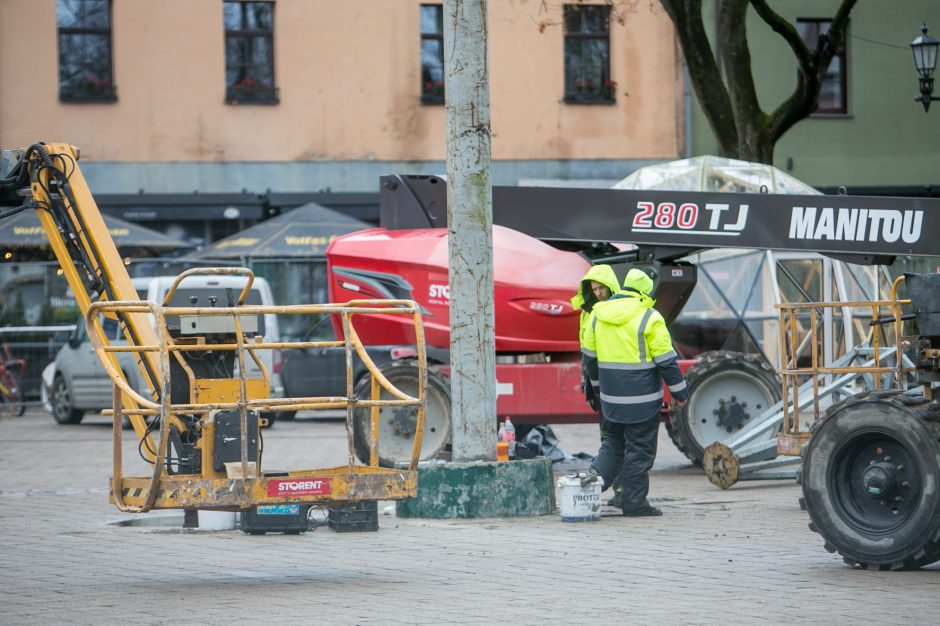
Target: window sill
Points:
(831, 116)
(68, 98)
(246, 101)
(569, 100)
(257, 95)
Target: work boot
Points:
(615, 501)
(646, 510)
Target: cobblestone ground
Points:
(739, 556)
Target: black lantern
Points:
(925, 60)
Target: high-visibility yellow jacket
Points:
(629, 346)
(585, 300)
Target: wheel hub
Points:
(880, 480)
(731, 413)
(404, 421)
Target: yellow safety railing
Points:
(802, 338)
(174, 491)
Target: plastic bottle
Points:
(509, 432)
(501, 433)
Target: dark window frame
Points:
(102, 90)
(246, 90)
(584, 93)
(432, 92)
(843, 109)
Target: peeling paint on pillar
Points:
(470, 227)
(471, 490)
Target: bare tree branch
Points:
(812, 66)
(748, 116)
(730, 103)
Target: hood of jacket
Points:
(638, 281)
(604, 274)
(622, 307)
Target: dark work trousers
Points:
(616, 480)
(631, 450)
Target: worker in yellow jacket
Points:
(630, 353)
(598, 284)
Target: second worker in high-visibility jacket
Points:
(630, 352)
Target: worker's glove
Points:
(591, 397)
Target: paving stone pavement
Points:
(740, 556)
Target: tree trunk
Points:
(743, 130)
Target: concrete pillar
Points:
(470, 228)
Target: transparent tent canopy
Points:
(711, 173)
(732, 306)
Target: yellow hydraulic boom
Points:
(194, 360)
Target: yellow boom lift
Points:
(199, 426)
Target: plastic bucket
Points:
(577, 503)
(216, 520)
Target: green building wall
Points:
(886, 139)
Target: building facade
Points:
(297, 96)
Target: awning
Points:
(303, 232)
(23, 231)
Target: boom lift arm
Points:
(89, 259)
(668, 225)
(201, 398)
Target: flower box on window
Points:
(89, 87)
(590, 92)
(433, 92)
(251, 91)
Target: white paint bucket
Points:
(216, 520)
(579, 504)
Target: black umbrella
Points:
(303, 232)
(22, 233)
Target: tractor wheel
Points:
(871, 480)
(397, 424)
(726, 390)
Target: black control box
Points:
(228, 438)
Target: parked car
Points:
(81, 384)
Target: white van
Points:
(80, 382)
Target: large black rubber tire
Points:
(62, 409)
(871, 480)
(694, 427)
(285, 416)
(395, 447)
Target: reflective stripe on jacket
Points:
(632, 355)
